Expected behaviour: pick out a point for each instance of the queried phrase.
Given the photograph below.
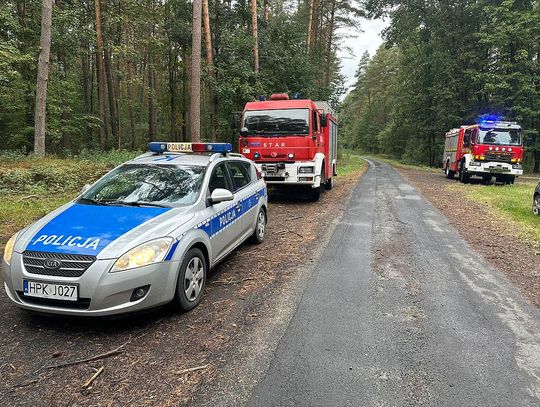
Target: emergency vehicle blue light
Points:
(489, 118)
(296, 95)
(162, 147)
(262, 98)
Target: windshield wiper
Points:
(93, 201)
(137, 203)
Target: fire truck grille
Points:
(499, 157)
(70, 265)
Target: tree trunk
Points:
(196, 73)
(101, 77)
(329, 44)
(313, 23)
(42, 78)
(310, 24)
(113, 114)
(131, 99)
(211, 72)
(255, 34)
(151, 101)
(266, 11)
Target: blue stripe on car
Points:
(223, 219)
(88, 229)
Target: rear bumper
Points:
(495, 168)
(288, 174)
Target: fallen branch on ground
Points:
(191, 369)
(24, 198)
(230, 282)
(94, 377)
(90, 359)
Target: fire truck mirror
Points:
(324, 121)
(467, 140)
(244, 131)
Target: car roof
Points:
(183, 159)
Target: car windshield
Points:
(277, 122)
(500, 137)
(147, 184)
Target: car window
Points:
(220, 179)
(240, 173)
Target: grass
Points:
(349, 163)
(510, 202)
(399, 164)
(31, 187)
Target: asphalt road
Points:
(400, 311)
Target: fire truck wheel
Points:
(536, 205)
(329, 184)
(449, 173)
(315, 194)
(486, 178)
(464, 176)
(260, 229)
(511, 179)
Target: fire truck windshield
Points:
(500, 137)
(283, 122)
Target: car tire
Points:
(329, 184)
(191, 280)
(536, 204)
(260, 227)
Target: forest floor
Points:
(163, 358)
(487, 217)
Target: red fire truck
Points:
(487, 149)
(291, 141)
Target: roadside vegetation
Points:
(31, 187)
(511, 202)
(350, 163)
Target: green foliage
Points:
(453, 62)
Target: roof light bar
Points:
(163, 147)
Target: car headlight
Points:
(147, 253)
(306, 170)
(10, 245)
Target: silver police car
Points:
(143, 235)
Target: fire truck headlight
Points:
(474, 163)
(256, 155)
(509, 149)
(291, 156)
(306, 170)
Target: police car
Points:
(143, 235)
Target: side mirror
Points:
(244, 131)
(221, 195)
(85, 188)
(324, 119)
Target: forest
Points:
(120, 72)
(444, 64)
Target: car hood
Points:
(98, 230)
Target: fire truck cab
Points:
(292, 142)
(487, 149)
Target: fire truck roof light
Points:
(262, 98)
(163, 147)
(296, 95)
(279, 96)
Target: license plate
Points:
(275, 175)
(52, 291)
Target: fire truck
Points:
(487, 149)
(291, 141)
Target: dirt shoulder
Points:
(490, 235)
(163, 358)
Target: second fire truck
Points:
(487, 149)
(291, 141)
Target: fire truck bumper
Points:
(490, 167)
(289, 173)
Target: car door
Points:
(244, 187)
(225, 226)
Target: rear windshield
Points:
(277, 122)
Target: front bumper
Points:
(494, 167)
(287, 174)
(100, 293)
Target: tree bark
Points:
(42, 78)
(313, 24)
(113, 113)
(196, 73)
(329, 44)
(151, 101)
(211, 72)
(255, 34)
(101, 77)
